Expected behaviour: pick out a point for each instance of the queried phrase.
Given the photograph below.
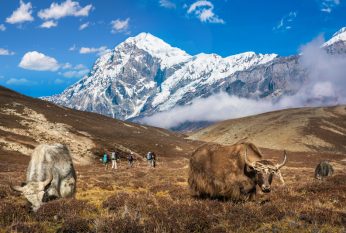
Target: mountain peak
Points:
(145, 37)
(338, 36)
(157, 48)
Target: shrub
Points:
(323, 216)
(75, 225)
(22, 227)
(115, 202)
(12, 212)
(61, 209)
(122, 225)
(270, 212)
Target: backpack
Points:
(149, 156)
(105, 158)
(113, 156)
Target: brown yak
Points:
(231, 172)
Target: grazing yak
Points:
(50, 175)
(231, 172)
(323, 169)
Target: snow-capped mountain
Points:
(144, 75)
(337, 44)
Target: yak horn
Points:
(278, 166)
(47, 181)
(247, 162)
(17, 188)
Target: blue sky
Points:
(46, 46)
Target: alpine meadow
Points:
(171, 116)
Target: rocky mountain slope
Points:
(144, 75)
(26, 122)
(302, 129)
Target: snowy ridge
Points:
(338, 36)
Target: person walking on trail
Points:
(130, 159)
(153, 160)
(105, 160)
(149, 158)
(114, 160)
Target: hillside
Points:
(303, 129)
(25, 122)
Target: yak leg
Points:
(253, 194)
(248, 190)
(52, 191)
(278, 173)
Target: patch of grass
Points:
(165, 206)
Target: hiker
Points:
(105, 160)
(130, 159)
(153, 160)
(149, 158)
(114, 158)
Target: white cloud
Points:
(324, 87)
(67, 8)
(19, 82)
(5, 52)
(66, 66)
(49, 24)
(328, 5)
(217, 107)
(286, 22)
(204, 12)
(120, 25)
(75, 73)
(38, 61)
(80, 67)
(22, 14)
(167, 4)
(100, 51)
(83, 26)
(59, 81)
(2, 27)
(73, 48)
(326, 74)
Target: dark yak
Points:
(323, 169)
(50, 175)
(231, 172)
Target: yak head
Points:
(34, 191)
(264, 171)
